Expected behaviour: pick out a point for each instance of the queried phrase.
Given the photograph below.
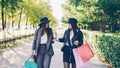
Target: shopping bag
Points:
(79, 62)
(85, 52)
(30, 64)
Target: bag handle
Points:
(28, 58)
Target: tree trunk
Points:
(7, 24)
(103, 26)
(12, 24)
(5, 19)
(12, 20)
(113, 27)
(119, 26)
(26, 22)
(3, 22)
(2, 13)
(20, 19)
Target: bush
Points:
(110, 48)
(105, 46)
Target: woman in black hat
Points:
(72, 38)
(42, 44)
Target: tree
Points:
(82, 10)
(32, 9)
(2, 13)
(9, 7)
(112, 9)
(35, 10)
(104, 13)
(13, 6)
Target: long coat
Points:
(69, 45)
(36, 42)
(78, 37)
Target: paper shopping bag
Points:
(79, 62)
(30, 64)
(85, 52)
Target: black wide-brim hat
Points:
(43, 20)
(72, 21)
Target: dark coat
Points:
(36, 41)
(78, 37)
(67, 48)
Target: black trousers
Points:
(43, 61)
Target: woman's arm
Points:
(80, 38)
(54, 35)
(32, 55)
(63, 38)
(35, 39)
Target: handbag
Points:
(79, 62)
(35, 58)
(85, 52)
(50, 51)
(65, 49)
(30, 64)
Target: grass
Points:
(92, 38)
(17, 42)
(13, 34)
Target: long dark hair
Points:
(44, 29)
(75, 28)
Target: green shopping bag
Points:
(30, 64)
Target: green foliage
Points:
(31, 9)
(106, 47)
(110, 7)
(36, 11)
(75, 2)
(15, 38)
(83, 11)
(13, 4)
(109, 46)
(102, 13)
(14, 43)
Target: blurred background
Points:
(99, 21)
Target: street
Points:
(16, 56)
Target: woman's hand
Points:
(32, 55)
(55, 40)
(54, 33)
(76, 43)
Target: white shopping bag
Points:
(79, 62)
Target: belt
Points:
(43, 44)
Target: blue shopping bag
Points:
(30, 64)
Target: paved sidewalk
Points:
(15, 57)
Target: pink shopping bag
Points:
(79, 62)
(85, 52)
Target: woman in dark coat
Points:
(72, 38)
(42, 44)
